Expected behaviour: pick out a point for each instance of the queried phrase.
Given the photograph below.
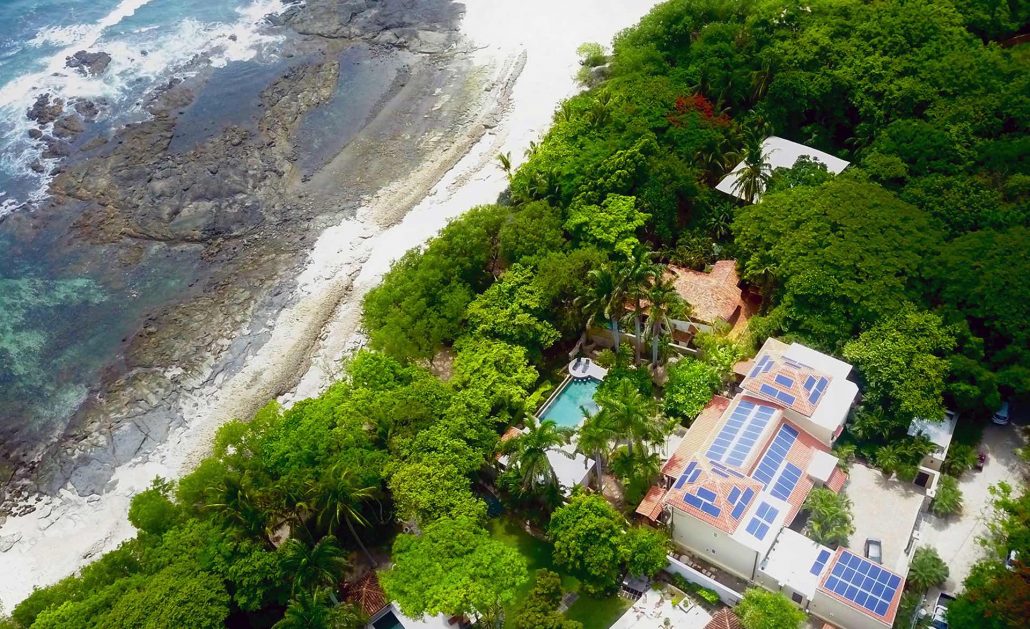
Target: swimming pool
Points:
(564, 408)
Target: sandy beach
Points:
(527, 62)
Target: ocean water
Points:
(66, 308)
(149, 42)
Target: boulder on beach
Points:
(89, 63)
(68, 125)
(87, 109)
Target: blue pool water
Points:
(566, 408)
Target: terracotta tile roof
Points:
(895, 602)
(721, 484)
(713, 296)
(837, 480)
(787, 377)
(800, 454)
(366, 593)
(511, 433)
(724, 619)
(651, 506)
(696, 436)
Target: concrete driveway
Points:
(956, 537)
(883, 508)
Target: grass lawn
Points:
(592, 612)
(597, 612)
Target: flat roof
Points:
(939, 432)
(792, 562)
(781, 153)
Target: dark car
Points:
(874, 550)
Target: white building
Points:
(781, 153)
(938, 432)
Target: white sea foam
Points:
(169, 49)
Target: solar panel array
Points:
(725, 472)
(740, 500)
(863, 583)
(788, 479)
(763, 365)
(787, 398)
(703, 500)
(774, 455)
(762, 520)
(820, 561)
(815, 387)
(740, 432)
(689, 475)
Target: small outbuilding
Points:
(781, 153)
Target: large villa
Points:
(732, 490)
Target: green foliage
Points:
(804, 172)
(709, 596)
(425, 492)
(498, 371)
(948, 500)
(173, 597)
(645, 551)
(453, 567)
(532, 232)
(422, 299)
(992, 597)
(587, 535)
(836, 256)
(961, 458)
(540, 609)
(151, 510)
(829, 517)
(900, 361)
(512, 311)
(612, 225)
(527, 456)
(926, 569)
(760, 609)
(690, 386)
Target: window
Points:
(797, 598)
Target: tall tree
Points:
(595, 440)
(338, 498)
(320, 565)
(454, 567)
(607, 298)
(756, 172)
(761, 609)
(527, 453)
(587, 535)
(629, 414)
(638, 272)
(663, 305)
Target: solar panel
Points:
(743, 503)
(817, 391)
(734, 494)
(775, 454)
(725, 471)
(820, 561)
(783, 380)
(684, 476)
(809, 382)
(739, 434)
(764, 364)
(788, 479)
(864, 583)
(762, 520)
(703, 505)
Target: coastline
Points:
(526, 58)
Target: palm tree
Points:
(505, 161)
(607, 298)
(338, 498)
(927, 569)
(312, 567)
(527, 453)
(595, 440)
(829, 520)
(637, 273)
(236, 505)
(308, 611)
(754, 176)
(664, 305)
(629, 414)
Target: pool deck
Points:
(586, 368)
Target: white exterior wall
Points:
(713, 545)
(823, 434)
(726, 595)
(773, 585)
(841, 614)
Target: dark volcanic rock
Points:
(68, 125)
(45, 111)
(89, 63)
(418, 26)
(87, 109)
(37, 167)
(35, 134)
(55, 148)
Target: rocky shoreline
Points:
(238, 208)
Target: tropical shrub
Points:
(829, 517)
(948, 500)
(927, 569)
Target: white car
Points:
(1001, 416)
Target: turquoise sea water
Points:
(566, 409)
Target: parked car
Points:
(940, 611)
(1001, 416)
(874, 550)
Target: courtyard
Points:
(883, 508)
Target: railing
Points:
(726, 595)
